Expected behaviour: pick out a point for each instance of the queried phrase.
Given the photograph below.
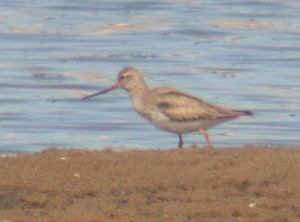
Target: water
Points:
(240, 54)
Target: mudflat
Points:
(222, 184)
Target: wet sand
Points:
(223, 184)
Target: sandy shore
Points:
(225, 184)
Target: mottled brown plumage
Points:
(182, 106)
(172, 110)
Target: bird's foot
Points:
(206, 135)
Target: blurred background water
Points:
(241, 54)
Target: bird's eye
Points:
(121, 78)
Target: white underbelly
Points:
(185, 126)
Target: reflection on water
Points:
(239, 54)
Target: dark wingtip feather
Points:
(245, 112)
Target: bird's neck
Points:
(138, 94)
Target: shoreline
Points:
(120, 148)
(248, 183)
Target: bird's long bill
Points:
(103, 91)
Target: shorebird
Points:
(169, 109)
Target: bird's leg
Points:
(180, 143)
(205, 134)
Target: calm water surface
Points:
(240, 54)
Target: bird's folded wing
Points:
(181, 106)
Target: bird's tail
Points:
(245, 112)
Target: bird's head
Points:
(128, 78)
